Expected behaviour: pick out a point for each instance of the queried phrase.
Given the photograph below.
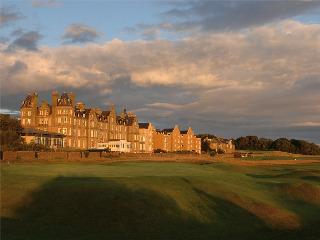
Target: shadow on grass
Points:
(94, 208)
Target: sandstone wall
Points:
(101, 156)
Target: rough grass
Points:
(159, 201)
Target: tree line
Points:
(280, 144)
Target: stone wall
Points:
(52, 155)
(26, 155)
(9, 155)
(76, 156)
(101, 156)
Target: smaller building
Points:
(220, 144)
(174, 140)
(146, 137)
(45, 138)
(122, 146)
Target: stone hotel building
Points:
(85, 128)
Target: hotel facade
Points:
(85, 128)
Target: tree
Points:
(9, 133)
(282, 144)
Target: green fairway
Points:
(159, 201)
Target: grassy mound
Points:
(158, 201)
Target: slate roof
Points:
(168, 130)
(144, 125)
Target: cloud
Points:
(80, 33)
(149, 31)
(25, 40)
(234, 15)
(257, 81)
(45, 3)
(306, 124)
(9, 15)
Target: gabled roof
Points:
(27, 101)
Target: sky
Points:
(230, 68)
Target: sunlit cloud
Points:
(261, 78)
(80, 33)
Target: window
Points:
(63, 130)
(29, 121)
(29, 113)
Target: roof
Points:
(168, 130)
(64, 100)
(27, 101)
(130, 120)
(184, 132)
(105, 113)
(37, 132)
(144, 125)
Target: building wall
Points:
(227, 147)
(86, 127)
(146, 139)
(158, 141)
(83, 127)
(176, 140)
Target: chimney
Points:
(54, 98)
(34, 102)
(113, 109)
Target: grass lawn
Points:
(159, 201)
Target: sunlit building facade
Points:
(85, 128)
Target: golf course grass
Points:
(152, 200)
